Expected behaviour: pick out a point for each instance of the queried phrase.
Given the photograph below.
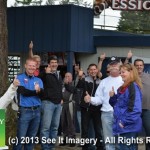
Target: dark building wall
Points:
(109, 38)
(81, 24)
(122, 41)
(57, 28)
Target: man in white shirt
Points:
(102, 97)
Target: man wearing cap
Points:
(51, 104)
(102, 97)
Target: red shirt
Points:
(36, 72)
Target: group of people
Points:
(116, 106)
(39, 100)
(125, 104)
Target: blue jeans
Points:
(79, 119)
(107, 125)
(146, 124)
(49, 123)
(27, 127)
(125, 145)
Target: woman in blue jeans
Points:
(127, 104)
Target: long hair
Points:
(134, 77)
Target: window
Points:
(13, 66)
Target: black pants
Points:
(95, 117)
(68, 122)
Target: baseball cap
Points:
(114, 60)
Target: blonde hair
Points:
(134, 77)
(30, 59)
(36, 56)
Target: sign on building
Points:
(131, 4)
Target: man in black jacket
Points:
(90, 112)
(51, 104)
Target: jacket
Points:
(52, 88)
(26, 94)
(127, 110)
(68, 89)
(89, 85)
(77, 93)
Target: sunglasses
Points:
(107, 71)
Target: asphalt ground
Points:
(140, 147)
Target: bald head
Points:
(68, 77)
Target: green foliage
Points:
(135, 22)
(76, 2)
(26, 2)
(64, 2)
(50, 2)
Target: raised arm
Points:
(129, 55)
(102, 57)
(31, 50)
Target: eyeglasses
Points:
(107, 71)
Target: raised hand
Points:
(99, 74)
(16, 82)
(80, 73)
(31, 45)
(129, 55)
(87, 98)
(102, 56)
(112, 92)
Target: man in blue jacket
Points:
(28, 92)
